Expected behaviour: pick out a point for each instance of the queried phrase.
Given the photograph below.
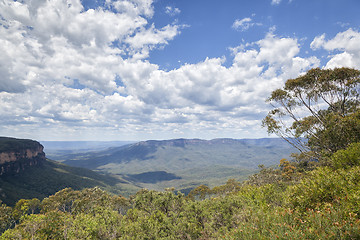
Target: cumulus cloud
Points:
(134, 7)
(59, 41)
(318, 42)
(66, 70)
(209, 93)
(345, 45)
(147, 39)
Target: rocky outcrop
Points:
(16, 155)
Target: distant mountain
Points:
(247, 153)
(190, 161)
(124, 168)
(82, 145)
(54, 149)
(26, 173)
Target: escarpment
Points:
(16, 155)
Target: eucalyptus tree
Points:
(318, 112)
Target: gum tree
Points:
(318, 112)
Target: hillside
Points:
(190, 162)
(17, 155)
(324, 205)
(26, 173)
(8, 144)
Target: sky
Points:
(105, 70)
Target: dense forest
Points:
(274, 204)
(316, 195)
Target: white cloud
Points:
(133, 7)
(347, 43)
(275, 2)
(147, 39)
(59, 41)
(68, 72)
(172, 11)
(343, 60)
(195, 92)
(318, 42)
(244, 24)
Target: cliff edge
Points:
(17, 155)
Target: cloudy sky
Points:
(160, 69)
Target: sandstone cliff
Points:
(17, 155)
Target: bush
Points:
(348, 157)
(325, 186)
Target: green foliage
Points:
(328, 101)
(348, 157)
(284, 224)
(104, 224)
(338, 132)
(201, 192)
(13, 144)
(265, 176)
(325, 186)
(6, 217)
(50, 177)
(314, 208)
(25, 207)
(84, 201)
(231, 186)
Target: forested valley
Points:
(314, 195)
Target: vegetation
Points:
(13, 144)
(50, 177)
(324, 204)
(318, 112)
(293, 201)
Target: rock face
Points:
(16, 155)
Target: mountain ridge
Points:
(192, 161)
(16, 155)
(154, 164)
(144, 150)
(25, 172)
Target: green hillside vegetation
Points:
(273, 204)
(315, 196)
(50, 177)
(13, 144)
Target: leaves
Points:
(6, 217)
(348, 157)
(322, 106)
(323, 205)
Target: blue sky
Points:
(158, 69)
(210, 31)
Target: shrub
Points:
(348, 157)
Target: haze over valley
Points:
(179, 163)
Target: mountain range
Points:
(126, 167)
(183, 163)
(26, 173)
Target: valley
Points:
(180, 163)
(30, 169)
